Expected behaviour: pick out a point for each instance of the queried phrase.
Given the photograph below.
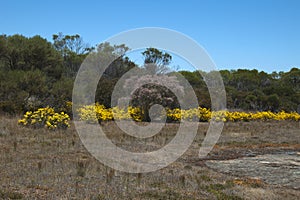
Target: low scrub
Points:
(97, 112)
(45, 117)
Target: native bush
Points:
(45, 117)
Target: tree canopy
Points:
(36, 72)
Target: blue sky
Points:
(261, 34)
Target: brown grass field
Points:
(44, 164)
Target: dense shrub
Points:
(45, 117)
(95, 113)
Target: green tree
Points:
(21, 53)
(273, 102)
(112, 59)
(156, 61)
(73, 50)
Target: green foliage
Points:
(73, 50)
(153, 55)
(22, 53)
(20, 88)
(60, 96)
(156, 61)
(36, 73)
(253, 90)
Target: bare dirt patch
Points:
(280, 169)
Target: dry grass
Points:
(43, 164)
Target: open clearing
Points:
(252, 160)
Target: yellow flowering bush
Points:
(174, 114)
(66, 108)
(219, 116)
(127, 113)
(204, 114)
(97, 112)
(45, 117)
(194, 114)
(263, 116)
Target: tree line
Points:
(37, 73)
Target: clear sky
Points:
(261, 34)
